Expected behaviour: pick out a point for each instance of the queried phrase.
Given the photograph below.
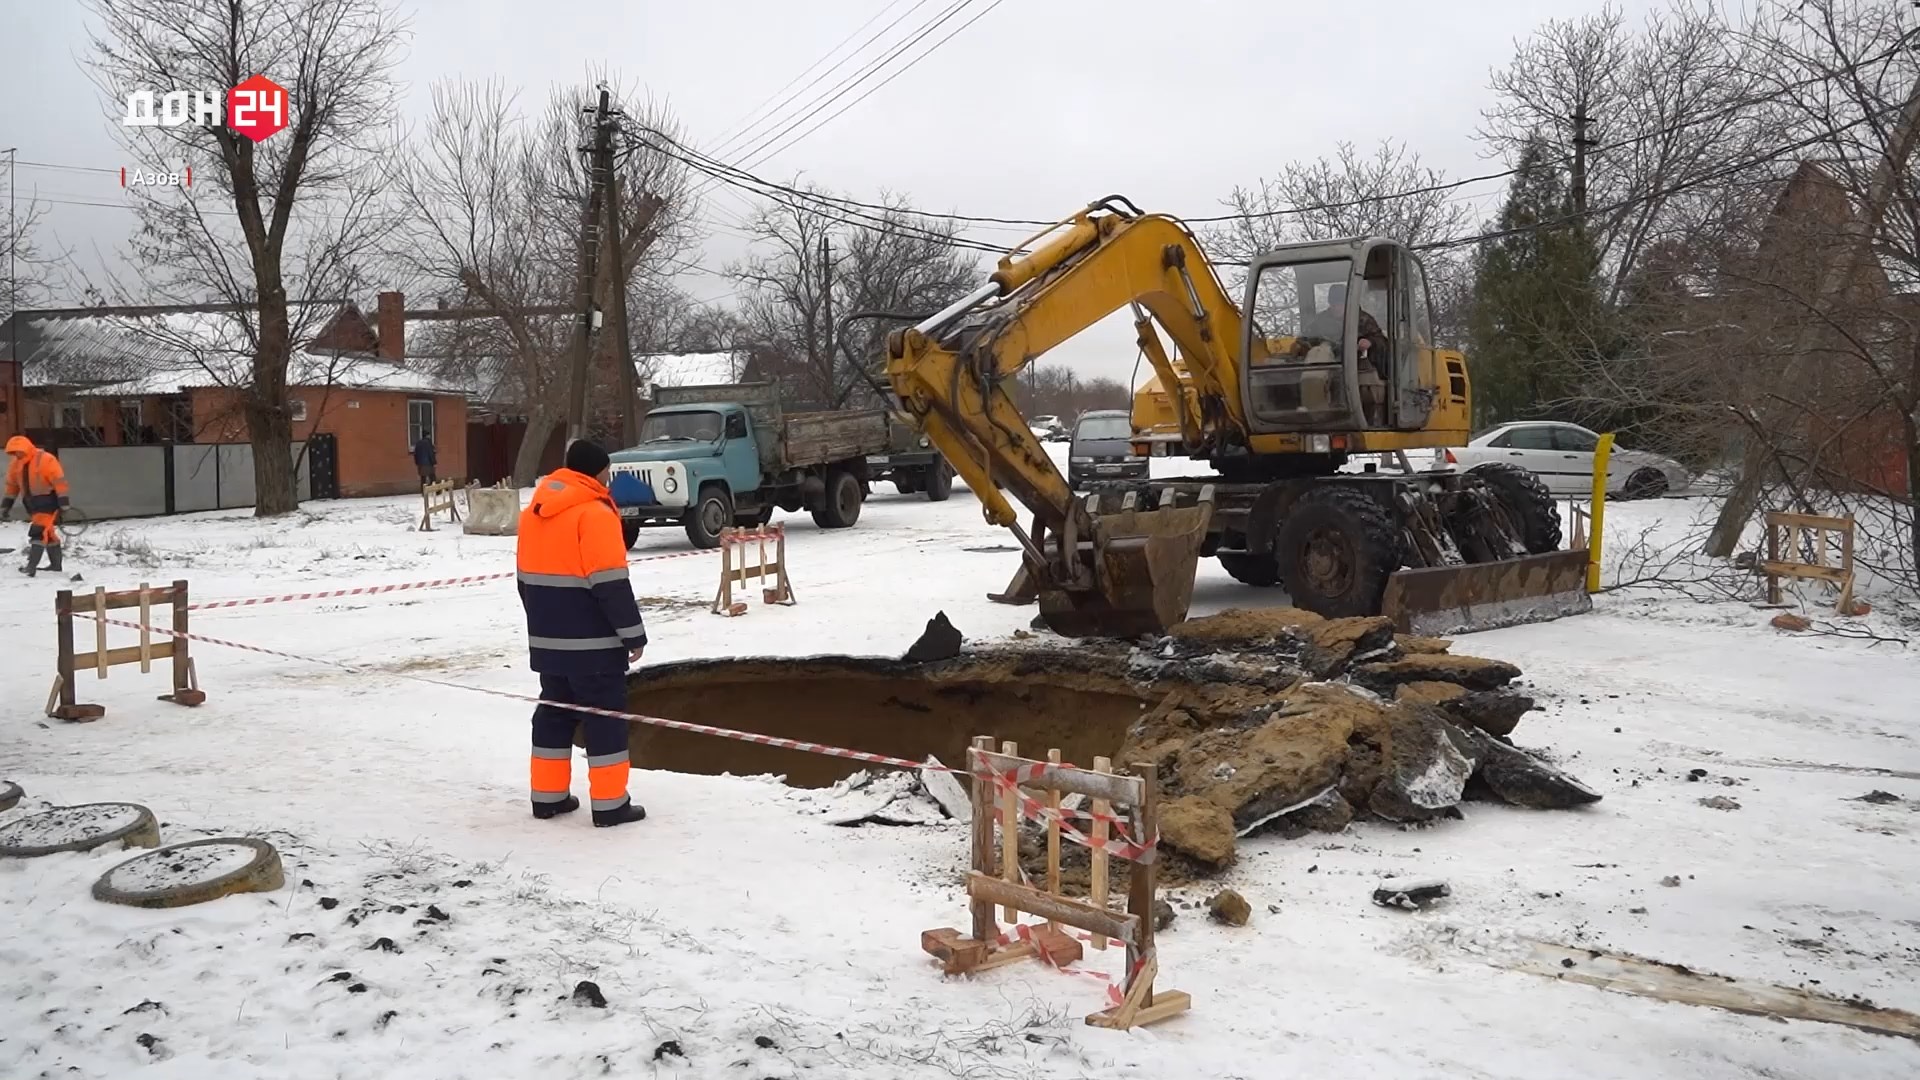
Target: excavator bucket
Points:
(1143, 564)
(1437, 601)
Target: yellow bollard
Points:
(1597, 519)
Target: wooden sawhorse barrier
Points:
(1786, 554)
(997, 779)
(62, 703)
(437, 498)
(734, 570)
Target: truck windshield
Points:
(680, 427)
(1104, 427)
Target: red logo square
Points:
(257, 108)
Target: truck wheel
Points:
(712, 513)
(631, 530)
(754, 520)
(939, 481)
(1260, 571)
(1528, 503)
(841, 508)
(1335, 550)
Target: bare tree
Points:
(492, 201)
(813, 270)
(1355, 194)
(1663, 109)
(1054, 390)
(28, 267)
(293, 215)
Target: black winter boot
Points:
(55, 558)
(620, 815)
(33, 560)
(545, 810)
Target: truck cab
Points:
(682, 450)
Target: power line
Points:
(737, 133)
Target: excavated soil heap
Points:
(1274, 720)
(1080, 702)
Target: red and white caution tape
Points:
(372, 590)
(1120, 846)
(1024, 932)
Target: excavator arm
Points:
(1123, 574)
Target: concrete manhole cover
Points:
(10, 794)
(192, 873)
(79, 828)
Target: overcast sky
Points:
(1037, 108)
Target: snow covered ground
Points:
(431, 928)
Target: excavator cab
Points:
(1338, 338)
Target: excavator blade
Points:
(1440, 600)
(1143, 564)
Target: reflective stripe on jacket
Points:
(581, 615)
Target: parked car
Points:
(1102, 449)
(1561, 455)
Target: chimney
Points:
(392, 327)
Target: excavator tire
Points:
(1528, 503)
(1260, 571)
(1335, 550)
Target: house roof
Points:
(130, 352)
(689, 369)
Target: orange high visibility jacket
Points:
(34, 477)
(572, 561)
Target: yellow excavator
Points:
(1277, 394)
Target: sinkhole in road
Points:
(1078, 702)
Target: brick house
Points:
(129, 376)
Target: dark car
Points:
(1102, 449)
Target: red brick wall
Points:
(369, 427)
(12, 416)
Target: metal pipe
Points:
(959, 307)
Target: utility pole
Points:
(600, 168)
(1578, 181)
(617, 282)
(1840, 271)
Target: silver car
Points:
(1561, 455)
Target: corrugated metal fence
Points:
(171, 478)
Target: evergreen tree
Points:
(1536, 317)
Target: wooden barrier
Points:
(1000, 882)
(62, 703)
(734, 545)
(1800, 531)
(437, 498)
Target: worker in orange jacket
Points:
(37, 480)
(583, 630)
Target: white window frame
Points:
(416, 430)
(74, 411)
(297, 410)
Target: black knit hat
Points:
(586, 458)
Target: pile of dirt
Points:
(1253, 721)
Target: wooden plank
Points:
(130, 598)
(1773, 558)
(182, 662)
(956, 954)
(1139, 992)
(100, 632)
(1808, 521)
(126, 654)
(1053, 832)
(1060, 909)
(982, 863)
(1069, 780)
(1097, 886)
(1809, 571)
(1140, 875)
(63, 661)
(1166, 1003)
(1010, 835)
(146, 629)
(1641, 977)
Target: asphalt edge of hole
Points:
(10, 794)
(142, 831)
(263, 873)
